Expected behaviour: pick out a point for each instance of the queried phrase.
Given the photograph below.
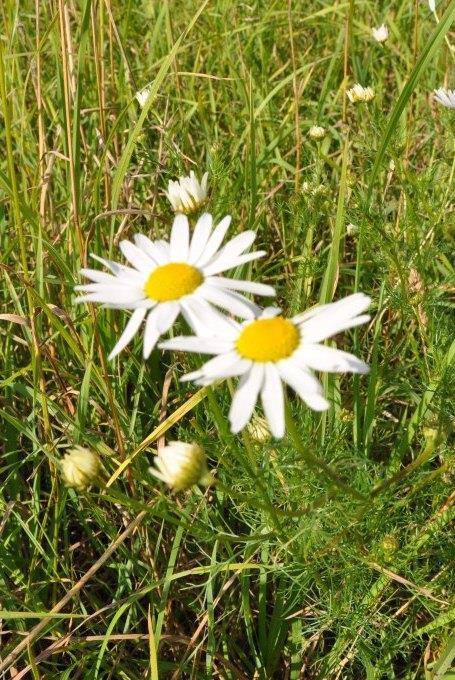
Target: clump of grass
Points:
(326, 554)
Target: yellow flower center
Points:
(268, 339)
(172, 281)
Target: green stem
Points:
(313, 461)
(12, 174)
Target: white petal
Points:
(118, 296)
(237, 284)
(304, 384)
(151, 333)
(273, 400)
(315, 401)
(300, 379)
(241, 242)
(214, 241)
(129, 332)
(205, 320)
(193, 343)
(151, 249)
(445, 97)
(180, 236)
(236, 245)
(166, 316)
(320, 328)
(115, 267)
(245, 397)
(221, 264)
(114, 286)
(346, 308)
(98, 276)
(200, 237)
(234, 303)
(322, 358)
(137, 257)
(146, 303)
(196, 376)
(225, 365)
(270, 312)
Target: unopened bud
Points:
(80, 467)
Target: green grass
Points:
(324, 556)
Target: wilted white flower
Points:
(142, 95)
(180, 465)
(179, 276)
(380, 34)
(270, 350)
(358, 93)
(187, 194)
(80, 467)
(445, 97)
(316, 132)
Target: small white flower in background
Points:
(187, 194)
(179, 276)
(432, 5)
(142, 95)
(80, 467)
(358, 93)
(445, 97)
(181, 465)
(380, 34)
(316, 132)
(271, 349)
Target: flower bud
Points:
(187, 194)
(358, 93)
(259, 430)
(180, 465)
(380, 34)
(316, 132)
(80, 467)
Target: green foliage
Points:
(326, 555)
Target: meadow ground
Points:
(327, 554)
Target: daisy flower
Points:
(179, 276)
(445, 97)
(187, 194)
(270, 350)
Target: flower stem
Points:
(315, 462)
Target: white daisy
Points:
(271, 349)
(445, 97)
(187, 194)
(181, 275)
(380, 34)
(358, 93)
